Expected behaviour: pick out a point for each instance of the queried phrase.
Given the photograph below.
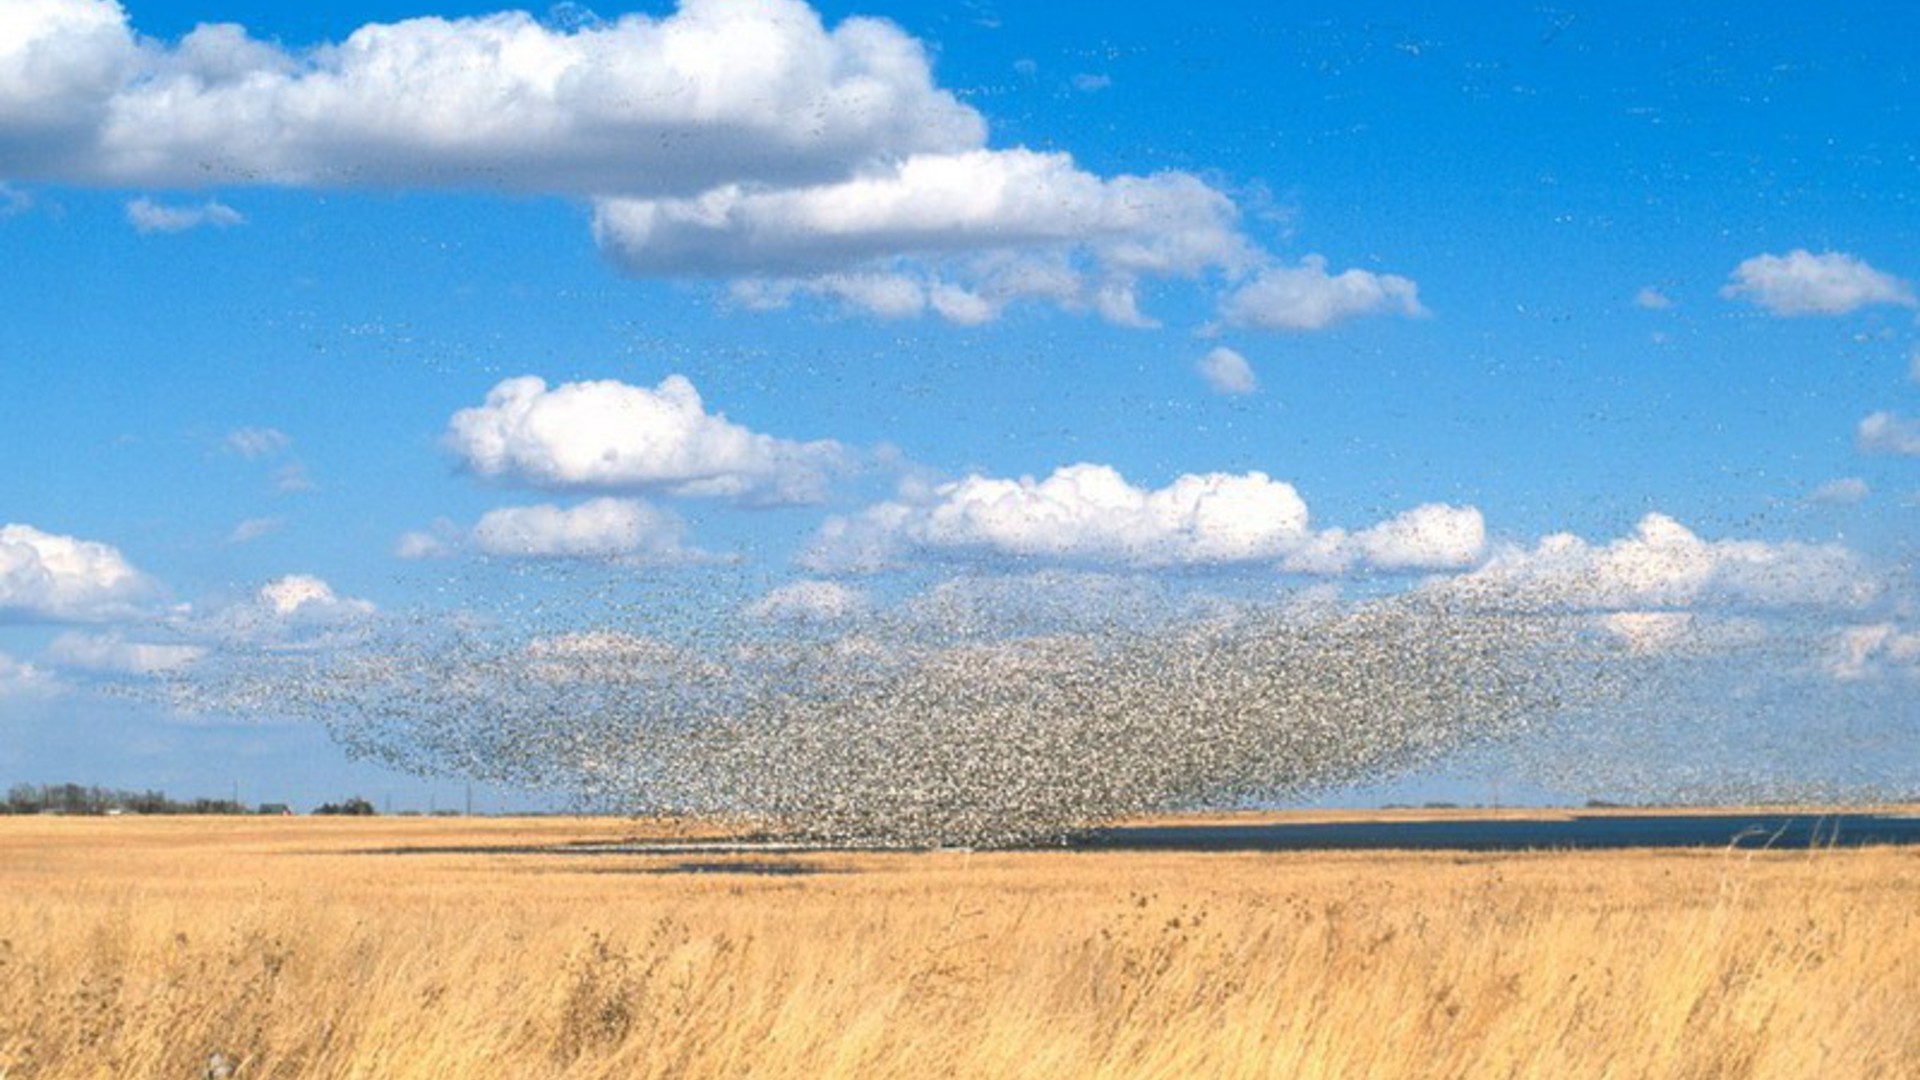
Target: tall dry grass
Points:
(272, 949)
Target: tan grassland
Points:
(187, 948)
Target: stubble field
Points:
(306, 948)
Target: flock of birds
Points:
(1017, 711)
(979, 725)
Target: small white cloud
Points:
(1306, 297)
(1652, 299)
(422, 545)
(295, 612)
(113, 654)
(253, 529)
(1889, 433)
(304, 594)
(257, 442)
(624, 529)
(48, 577)
(1845, 491)
(147, 216)
(1802, 283)
(1088, 83)
(810, 601)
(611, 436)
(1227, 372)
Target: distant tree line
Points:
(83, 799)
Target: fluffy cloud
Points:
(295, 612)
(308, 597)
(1090, 513)
(44, 576)
(598, 529)
(810, 601)
(965, 234)
(1889, 433)
(721, 91)
(743, 139)
(1227, 372)
(424, 545)
(113, 654)
(1434, 536)
(1652, 299)
(1802, 283)
(147, 216)
(928, 205)
(1665, 565)
(1306, 297)
(611, 436)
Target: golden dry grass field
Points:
(186, 948)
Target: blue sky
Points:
(1552, 270)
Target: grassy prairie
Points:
(144, 948)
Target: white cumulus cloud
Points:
(1665, 565)
(739, 139)
(147, 216)
(309, 597)
(1227, 372)
(965, 234)
(719, 91)
(1306, 297)
(48, 577)
(1802, 283)
(1091, 513)
(604, 528)
(1434, 536)
(612, 436)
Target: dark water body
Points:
(1578, 832)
